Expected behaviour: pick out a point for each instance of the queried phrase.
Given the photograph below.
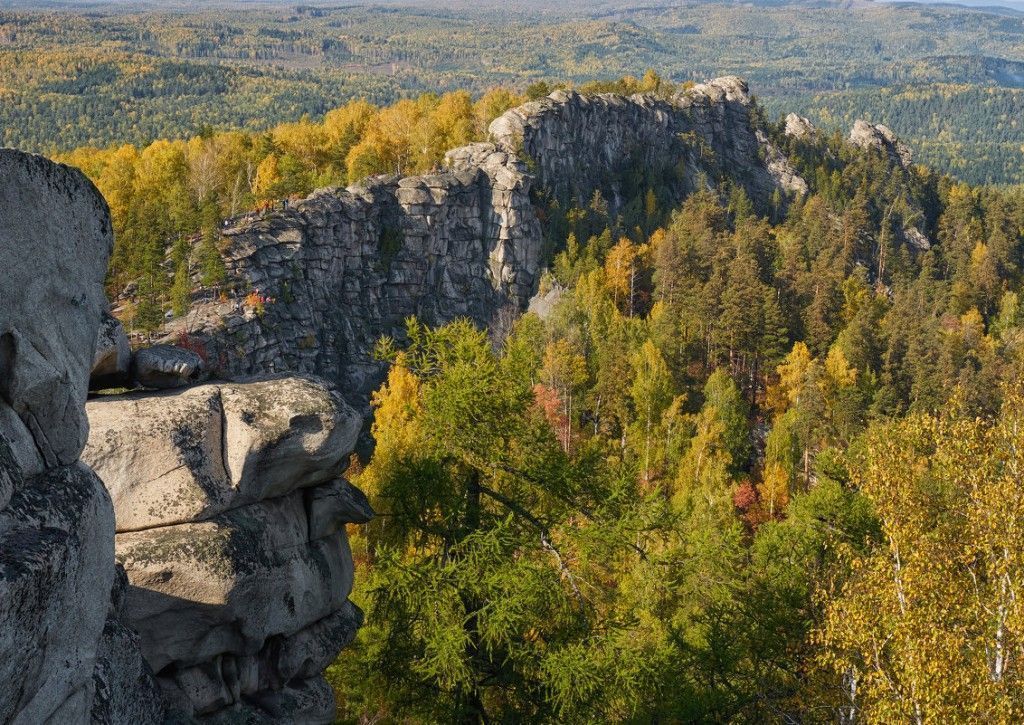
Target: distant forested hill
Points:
(947, 79)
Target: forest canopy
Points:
(948, 79)
(748, 468)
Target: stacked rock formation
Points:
(230, 517)
(229, 505)
(66, 655)
(333, 273)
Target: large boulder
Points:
(799, 127)
(56, 575)
(231, 517)
(55, 239)
(166, 366)
(171, 458)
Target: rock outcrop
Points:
(59, 629)
(230, 525)
(579, 144)
(881, 138)
(166, 366)
(799, 127)
(343, 267)
(331, 274)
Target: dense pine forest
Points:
(947, 79)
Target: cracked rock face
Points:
(344, 267)
(231, 518)
(580, 143)
(60, 633)
(175, 458)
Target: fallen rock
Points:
(111, 363)
(166, 366)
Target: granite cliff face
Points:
(67, 657)
(346, 266)
(706, 133)
(343, 267)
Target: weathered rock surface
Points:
(173, 458)
(879, 137)
(346, 266)
(51, 219)
(166, 366)
(56, 574)
(231, 527)
(59, 633)
(111, 363)
(126, 691)
(799, 127)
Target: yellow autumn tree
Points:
(929, 626)
(266, 183)
(397, 430)
(493, 103)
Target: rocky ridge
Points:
(173, 555)
(336, 271)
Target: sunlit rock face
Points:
(329, 275)
(334, 272)
(578, 144)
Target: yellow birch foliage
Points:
(928, 628)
